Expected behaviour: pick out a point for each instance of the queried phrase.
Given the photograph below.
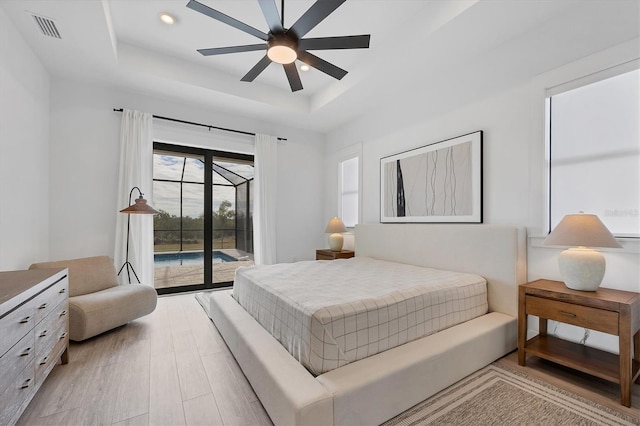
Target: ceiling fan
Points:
(285, 45)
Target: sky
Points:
(166, 195)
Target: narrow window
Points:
(349, 184)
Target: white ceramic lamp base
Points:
(582, 268)
(336, 241)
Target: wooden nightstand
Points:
(610, 311)
(327, 254)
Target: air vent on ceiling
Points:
(47, 26)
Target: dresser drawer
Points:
(16, 324)
(46, 362)
(50, 298)
(16, 359)
(19, 390)
(581, 316)
(50, 330)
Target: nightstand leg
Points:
(636, 351)
(542, 326)
(522, 329)
(625, 358)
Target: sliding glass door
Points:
(203, 232)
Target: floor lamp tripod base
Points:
(130, 269)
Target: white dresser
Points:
(34, 334)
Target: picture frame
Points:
(437, 183)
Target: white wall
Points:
(514, 188)
(24, 152)
(84, 167)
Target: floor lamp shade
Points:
(335, 227)
(139, 207)
(581, 267)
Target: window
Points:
(204, 230)
(594, 152)
(349, 197)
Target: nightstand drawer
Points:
(581, 316)
(322, 256)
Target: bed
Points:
(375, 388)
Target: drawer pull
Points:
(25, 320)
(25, 384)
(26, 352)
(44, 333)
(569, 314)
(64, 290)
(63, 313)
(44, 360)
(43, 306)
(63, 335)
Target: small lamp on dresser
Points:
(581, 267)
(335, 227)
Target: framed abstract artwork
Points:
(441, 182)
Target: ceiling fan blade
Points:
(232, 49)
(219, 16)
(321, 65)
(270, 12)
(314, 15)
(326, 43)
(293, 76)
(257, 69)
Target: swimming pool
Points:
(189, 258)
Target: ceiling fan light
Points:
(281, 48)
(282, 54)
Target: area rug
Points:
(495, 396)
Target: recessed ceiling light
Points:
(167, 18)
(304, 67)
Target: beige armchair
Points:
(97, 302)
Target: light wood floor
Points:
(173, 368)
(168, 368)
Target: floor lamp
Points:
(139, 207)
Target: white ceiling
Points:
(416, 46)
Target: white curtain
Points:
(265, 199)
(136, 168)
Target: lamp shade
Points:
(581, 267)
(140, 207)
(335, 225)
(581, 229)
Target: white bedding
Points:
(330, 313)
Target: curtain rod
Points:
(209, 126)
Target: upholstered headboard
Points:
(496, 252)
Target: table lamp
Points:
(581, 267)
(335, 227)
